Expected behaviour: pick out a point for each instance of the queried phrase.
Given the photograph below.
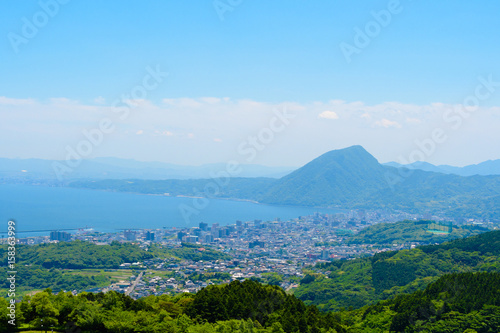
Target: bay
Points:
(56, 208)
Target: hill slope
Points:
(335, 178)
(363, 281)
(412, 231)
(466, 302)
(345, 178)
(352, 178)
(486, 168)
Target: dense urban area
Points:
(274, 252)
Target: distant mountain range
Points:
(345, 178)
(491, 167)
(117, 168)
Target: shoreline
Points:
(338, 209)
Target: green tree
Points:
(277, 328)
(120, 321)
(4, 318)
(44, 312)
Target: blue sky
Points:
(428, 57)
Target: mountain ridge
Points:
(345, 178)
(486, 168)
(329, 174)
(118, 168)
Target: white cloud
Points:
(16, 101)
(163, 133)
(387, 123)
(413, 121)
(138, 103)
(100, 100)
(337, 102)
(328, 115)
(62, 101)
(183, 102)
(210, 100)
(44, 128)
(392, 111)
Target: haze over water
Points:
(40, 208)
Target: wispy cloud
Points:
(16, 101)
(100, 100)
(169, 129)
(163, 133)
(413, 121)
(328, 115)
(387, 123)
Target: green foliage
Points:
(308, 279)
(273, 279)
(461, 301)
(42, 266)
(485, 244)
(347, 285)
(237, 307)
(77, 255)
(4, 312)
(36, 277)
(269, 305)
(364, 281)
(464, 302)
(346, 178)
(42, 311)
(409, 231)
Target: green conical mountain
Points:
(352, 178)
(345, 178)
(334, 178)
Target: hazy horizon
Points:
(225, 162)
(250, 82)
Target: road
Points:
(132, 287)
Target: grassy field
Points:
(20, 292)
(114, 274)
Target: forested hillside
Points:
(236, 307)
(339, 284)
(345, 178)
(77, 255)
(46, 265)
(466, 302)
(423, 231)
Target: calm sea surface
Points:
(40, 208)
